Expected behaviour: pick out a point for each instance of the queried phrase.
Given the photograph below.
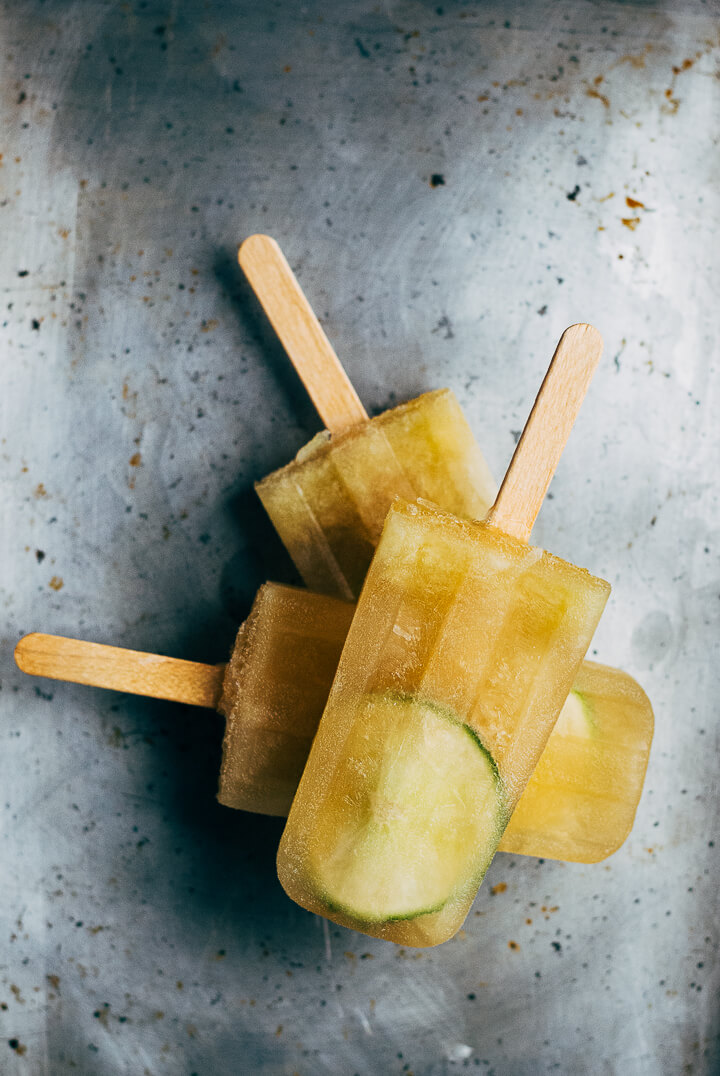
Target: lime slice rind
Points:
(577, 717)
(412, 815)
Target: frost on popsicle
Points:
(274, 690)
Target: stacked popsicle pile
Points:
(440, 738)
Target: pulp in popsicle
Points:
(275, 687)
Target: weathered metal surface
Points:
(453, 183)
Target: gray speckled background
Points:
(142, 929)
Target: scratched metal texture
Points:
(450, 181)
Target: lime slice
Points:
(412, 816)
(577, 717)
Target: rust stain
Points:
(673, 103)
(208, 326)
(40, 491)
(513, 945)
(56, 583)
(591, 92)
(630, 222)
(632, 203)
(636, 59)
(136, 459)
(501, 887)
(17, 1046)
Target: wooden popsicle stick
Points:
(120, 670)
(546, 431)
(300, 333)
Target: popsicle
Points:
(329, 504)
(462, 651)
(579, 804)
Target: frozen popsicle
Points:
(579, 804)
(462, 651)
(329, 504)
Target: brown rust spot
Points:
(673, 103)
(501, 887)
(636, 59)
(590, 92)
(136, 459)
(630, 222)
(632, 203)
(56, 583)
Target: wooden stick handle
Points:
(300, 333)
(546, 431)
(120, 670)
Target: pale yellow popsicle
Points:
(461, 654)
(330, 503)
